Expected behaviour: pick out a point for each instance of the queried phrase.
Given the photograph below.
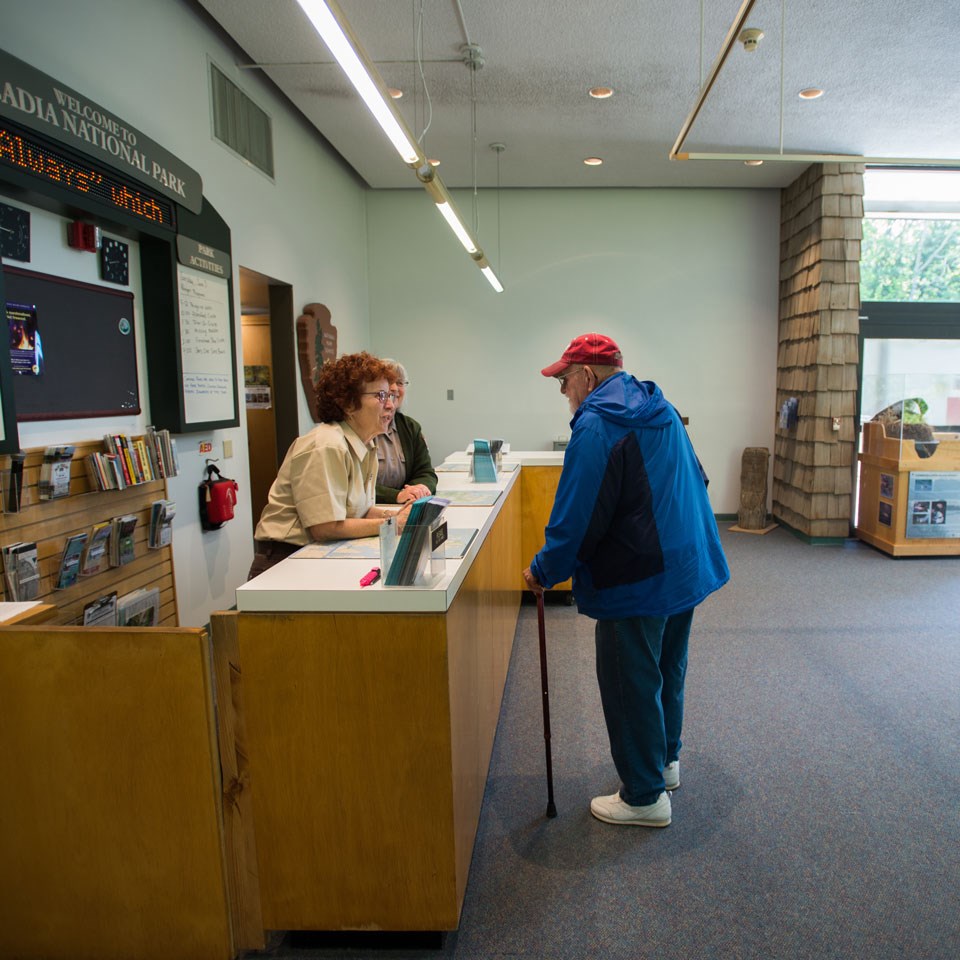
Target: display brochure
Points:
(70, 561)
(933, 505)
(101, 612)
(368, 548)
(162, 513)
(21, 571)
(121, 540)
(483, 462)
(463, 466)
(139, 608)
(415, 544)
(55, 472)
(472, 498)
(96, 557)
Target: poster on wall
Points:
(24, 339)
(933, 505)
(206, 352)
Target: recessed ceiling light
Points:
(811, 93)
(395, 93)
(593, 161)
(434, 163)
(753, 163)
(601, 93)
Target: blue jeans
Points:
(641, 667)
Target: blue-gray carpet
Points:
(819, 808)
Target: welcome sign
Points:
(37, 101)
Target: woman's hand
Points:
(413, 492)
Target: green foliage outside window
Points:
(904, 260)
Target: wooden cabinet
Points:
(891, 514)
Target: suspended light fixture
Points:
(329, 21)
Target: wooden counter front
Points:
(110, 826)
(367, 739)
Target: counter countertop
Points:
(333, 586)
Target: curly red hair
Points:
(340, 384)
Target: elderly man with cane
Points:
(633, 525)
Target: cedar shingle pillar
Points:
(821, 225)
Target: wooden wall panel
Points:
(110, 843)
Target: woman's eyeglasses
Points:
(381, 395)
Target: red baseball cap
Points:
(592, 348)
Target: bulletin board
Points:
(85, 355)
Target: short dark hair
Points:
(340, 384)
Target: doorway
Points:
(266, 309)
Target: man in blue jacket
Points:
(633, 525)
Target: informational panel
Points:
(933, 505)
(72, 347)
(206, 354)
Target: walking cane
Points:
(551, 806)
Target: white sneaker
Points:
(613, 809)
(671, 775)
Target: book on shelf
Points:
(96, 558)
(162, 513)
(101, 612)
(121, 539)
(70, 561)
(139, 608)
(162, 452)
(55, 472)
(21, 571)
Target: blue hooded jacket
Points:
(631, 520)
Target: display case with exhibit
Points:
(909, 490)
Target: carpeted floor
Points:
(819, 808)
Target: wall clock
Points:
(115, 261)
(14, 232)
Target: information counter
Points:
(356, 726)
(539, 478)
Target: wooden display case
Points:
(887, 516)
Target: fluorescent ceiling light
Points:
(492, 277)
(450, 215)
(329, 22)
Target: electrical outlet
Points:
(836, 424)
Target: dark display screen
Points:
(28, 154)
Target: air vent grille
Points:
(240, 123)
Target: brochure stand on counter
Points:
(416, 557)
(485, 460)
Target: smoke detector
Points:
(750, 38)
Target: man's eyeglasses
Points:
(563, 380)
(382, 395)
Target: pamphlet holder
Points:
(419, 552)
(486, 460)
(11, 491)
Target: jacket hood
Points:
(628, 401)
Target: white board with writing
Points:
(205, 348)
